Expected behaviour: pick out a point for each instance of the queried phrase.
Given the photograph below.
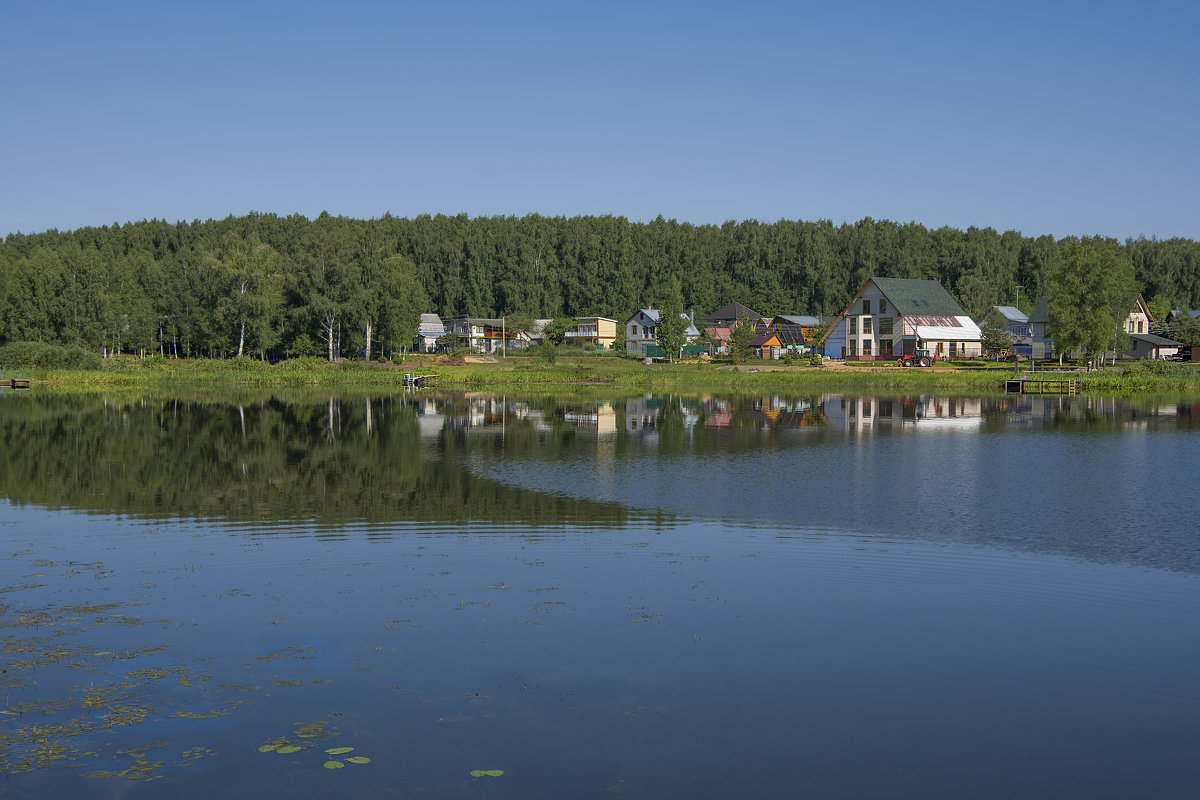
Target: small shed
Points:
(767, 345)
(1151, 345)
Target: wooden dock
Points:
(1049, 382)
(14, 381)
(414, 381)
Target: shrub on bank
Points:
(1154, 366)
(301, 364)
(43, 355)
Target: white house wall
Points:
(842, 342)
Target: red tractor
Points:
(921, 358)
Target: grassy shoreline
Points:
(570, 370)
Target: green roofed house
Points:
(889, 317)
(1150, 345)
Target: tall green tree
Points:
(400, 302)
(672, 331)
(1091, 291)
(741, 336)
(249, 275)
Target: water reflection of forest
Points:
(328, 460)
(402, 457)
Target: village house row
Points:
(888, 319)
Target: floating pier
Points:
(14, 381)
(1050, 382)
(414, 381)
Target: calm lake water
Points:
(596, 595)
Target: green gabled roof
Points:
(1041, 312)
(919, 297)
(1155, 339)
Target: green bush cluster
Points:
(301, 364)
(27, 355)
(1153, 366)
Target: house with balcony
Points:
(481, 334)
(889, 317)
(599, 332)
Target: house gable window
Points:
(883, 305)
(866, 306)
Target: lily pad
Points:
(491, 773)
(266, 748)
(337, 751)
(359, 760)
(288, 749)
(333, 765)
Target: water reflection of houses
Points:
(925, 412)
(601, 420)
(641, 416)
(430, 421)
(768, 411)
(644, 416)
(476, 413)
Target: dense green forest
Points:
(334, 286)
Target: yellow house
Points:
(598, 331)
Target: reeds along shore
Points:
(532, 371)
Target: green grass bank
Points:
(530, 372)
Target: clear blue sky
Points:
(1059, 118)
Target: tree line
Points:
(280, 286)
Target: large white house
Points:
(889, 317)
